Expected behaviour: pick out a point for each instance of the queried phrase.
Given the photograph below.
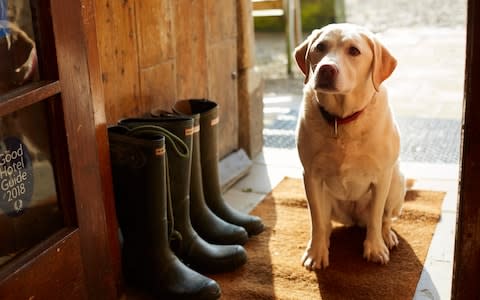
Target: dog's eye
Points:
(320, 47)
(353, 51)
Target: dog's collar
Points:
(334, 120)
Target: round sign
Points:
(16, 177)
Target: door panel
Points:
(29, 208)
(39, 244)
(58, 233)
(221, 31)
(222, 88)
(58, 258)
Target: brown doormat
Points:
(274, 271)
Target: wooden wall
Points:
(153, 53)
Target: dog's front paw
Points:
(376, 251)
(390, 238)
(315, 256)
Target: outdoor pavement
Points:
(426, 94)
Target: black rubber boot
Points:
(139, 177)
(208, 111)
(192, 249)
(207, 224)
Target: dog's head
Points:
(339, 57)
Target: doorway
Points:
(426, 93)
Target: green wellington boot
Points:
(207, 224)
(139, 179)
(192, 249)
(208, 111)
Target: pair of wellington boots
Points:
(151, 161)
(212, 217)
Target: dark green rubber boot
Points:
(139, 178)
(192, 249)
(207, 224)
(208, 111)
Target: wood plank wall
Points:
(153, 53)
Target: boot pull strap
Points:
(178, 145)
(174, 237)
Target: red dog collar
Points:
(334, 120)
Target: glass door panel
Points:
(18, 53)
(29, 208)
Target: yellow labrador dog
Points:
(348, 141)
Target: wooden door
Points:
(57, 221)
(222, 69)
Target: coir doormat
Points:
(274, 271)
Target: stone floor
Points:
(426, 93)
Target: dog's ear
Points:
(301, 52)
(383, 62)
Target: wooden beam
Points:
(467, 244)
(79, 75)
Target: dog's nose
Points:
(326, 76)
(327, 73)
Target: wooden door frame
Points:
(82, 97)
(83, 105)
(466, 267)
